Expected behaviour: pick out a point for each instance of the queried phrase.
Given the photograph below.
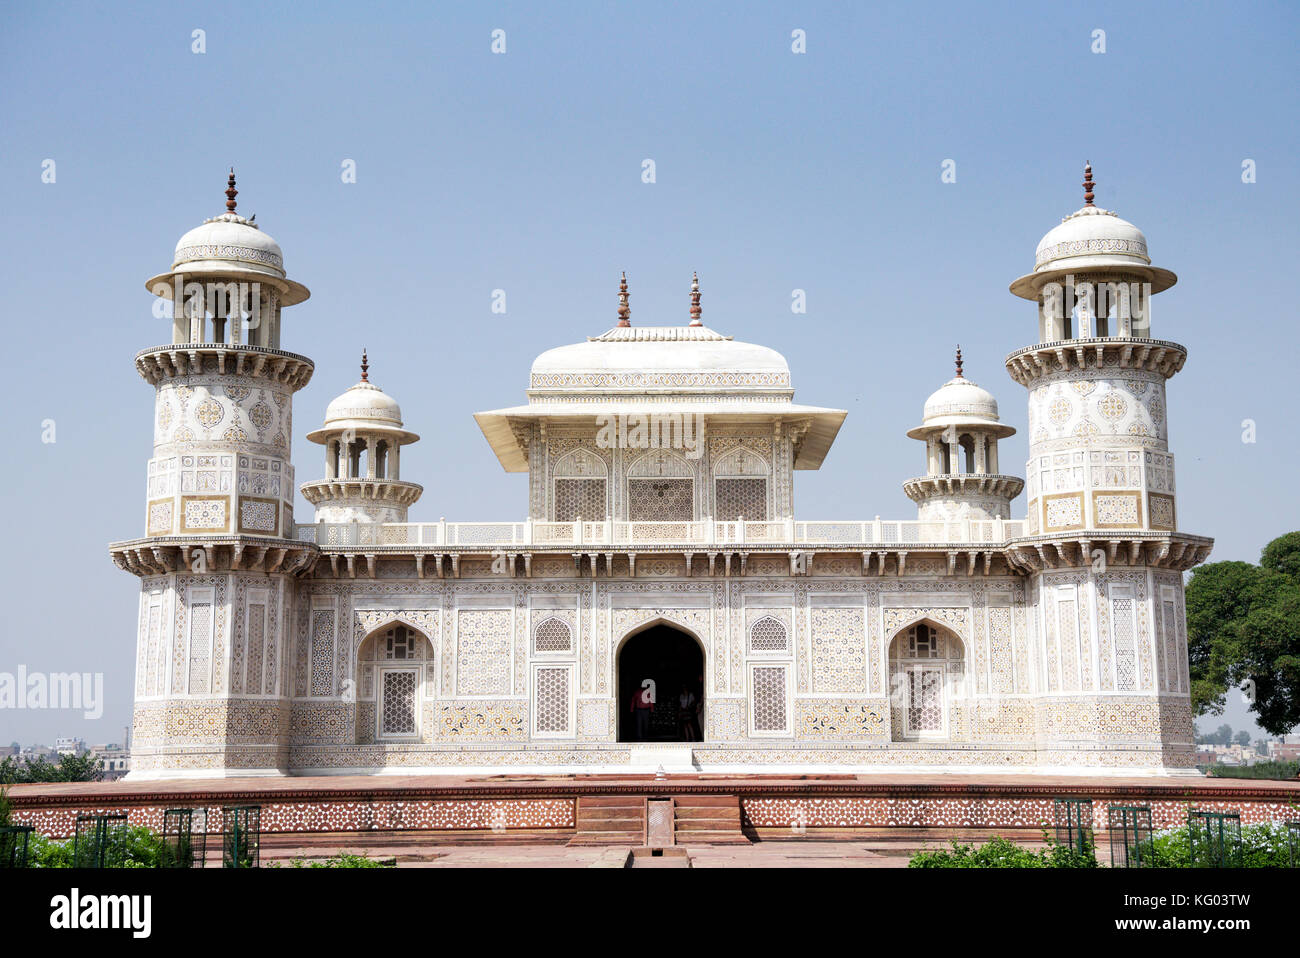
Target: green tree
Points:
(1241, 738)
(1243, 629)
(70, 768)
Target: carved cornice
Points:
(1152, 355)
(924, 488)
(160, 555)
(1082, 549)
(393, 491)
(158, 363)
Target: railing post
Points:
(577, 531)
(528, 531)
(609, 530)
(740, 528)
(965, 526)
(442, 531)
(877, 534)
(998, 534)
(789, 528)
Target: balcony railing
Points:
(888, 533)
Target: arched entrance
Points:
(927, 677)
(666, 664)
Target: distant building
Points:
(69, 746)
(1284, 751)
(116, 759)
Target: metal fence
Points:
(100, 841)
(1130, 830)
(15, 842)
(1214, 838)
(185, 838)
(1074, 823)
(241, 836)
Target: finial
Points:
(1087, 184)
(365, 366)
(695, 299)
(624, 310)
(231, 192)
(959, 375)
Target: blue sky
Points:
(522, 172)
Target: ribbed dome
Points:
(365, 408)
(1088, 237)
(960, 400)
(229, 240)
(1092, 241)
(962, 403)
(364, 402)
(677, 357)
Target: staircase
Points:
(707, 820)
(610, 820)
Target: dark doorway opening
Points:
(673, 663)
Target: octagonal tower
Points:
(1102, 548)
(363, 439)
(961, 429)
(217, 562)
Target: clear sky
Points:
(522, 172)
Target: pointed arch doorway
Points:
(665, 664)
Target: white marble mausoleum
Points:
(660, 553)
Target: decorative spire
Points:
(959, 375)
(624, 310)
(231, 192)
(365, 366)
(1087, 184)
(695, 300)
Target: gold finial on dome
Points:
(1087, 184)
(695, 299)
(231, 192)
(365, 366)
(624, 310)
(959, 375)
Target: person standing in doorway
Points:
(643, 703)
(688, 710)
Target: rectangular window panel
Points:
(398, 715)
(737, 498)
(579, 497)
(660, 500)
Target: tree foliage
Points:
(1243, 629)
(69, 768)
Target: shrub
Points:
(1269, 770)
(142, 848)
(341, 860)
(1001, 853)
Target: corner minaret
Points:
(961, 429)
(217, 560)
(363, 439)
(1101, 548)
(1098, 431)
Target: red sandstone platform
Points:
(544, 809)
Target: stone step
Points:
(712, 837)
(607, 838)
(706, 825)
(701, 801)
(707, 811)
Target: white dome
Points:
(1088, 237)
(364, 402)
(960, 399)
(960, 402)
(1092, 240)
(229, 241)
(677, 357)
